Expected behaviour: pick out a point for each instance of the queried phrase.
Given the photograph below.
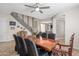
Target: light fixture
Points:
(37, 9)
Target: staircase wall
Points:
(21, 20)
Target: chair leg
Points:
(49, 53)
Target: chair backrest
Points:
(17, 44)
(44, 35)
(31, 47)
(51, 36)
(71, 44)
(23, 46)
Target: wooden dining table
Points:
(47, 45)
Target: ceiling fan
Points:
(37, 7)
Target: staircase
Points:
(21, 21)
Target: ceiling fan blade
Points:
(35, 4)
(32, 11)
(44, 7)
(29, 6)
(40, 11)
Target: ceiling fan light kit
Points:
(37, 7)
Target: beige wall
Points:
(6, 33)
(3, 28)
(71, 25)
(72, 22)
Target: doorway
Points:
(60, 29)
(46, 27)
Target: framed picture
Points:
(12, 28)
(18, 26)
(12, 23)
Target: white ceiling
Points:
(7, 8)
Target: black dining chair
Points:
(23, 47)
(32, 49)
(51, 36)
(20, 45)
(44, 35)
(17, 44)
